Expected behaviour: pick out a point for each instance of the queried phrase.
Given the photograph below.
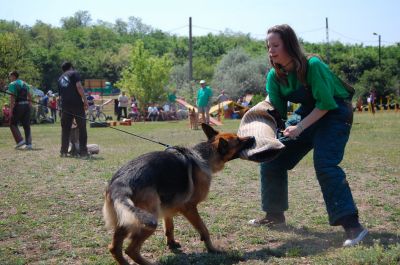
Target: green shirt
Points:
(204, 96)
(324, 84)
(172, 98)
(12, 87)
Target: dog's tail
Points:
(123, 213)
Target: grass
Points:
(50, 207)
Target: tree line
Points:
(149, 62)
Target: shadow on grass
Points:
(85, 158)
(30, 150)
(310, 243)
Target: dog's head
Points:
(227, 145)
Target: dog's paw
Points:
(173, 245)
(215, 250)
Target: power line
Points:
(255, 35)
(200, 27)
(175, 29)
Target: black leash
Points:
(101, 124)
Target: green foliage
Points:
(378, 79)
(146, 76)
(239, 74)
(13, 56)
(101, 50)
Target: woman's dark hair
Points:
(293, 48)
(14, 73)
(66, 66)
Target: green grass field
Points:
(50, 207)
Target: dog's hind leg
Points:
(137, 240)
(191, 213)
(116, 245)
(169, 233)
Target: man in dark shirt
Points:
(73, 104)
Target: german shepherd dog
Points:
(164, 184)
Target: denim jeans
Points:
(328, 137)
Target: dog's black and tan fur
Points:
(164, 184)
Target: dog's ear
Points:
(208, 130)
(223, 146)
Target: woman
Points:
(322, 122)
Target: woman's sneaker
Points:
(21, 143)
(28, 147)
(354, 236)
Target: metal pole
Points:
(379, 50)
(327, 41)
(190, 57)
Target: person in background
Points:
(372, 98)
(53, 108)
(172, 100)
(134, 114)
(74, 104)
(20, 106)
(123, 102)
(42, 107)
(322, 122)
(153, 112)
(6, 114)
(91, 105)
(59, 107)
(222, 97)
(204, 95)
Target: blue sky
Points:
(351, 21)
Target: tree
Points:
(80, 19)
(14, 56)
(381, 80)
(238, 74)
(146, 76)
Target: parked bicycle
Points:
(96, 114)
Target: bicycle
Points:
(96, 114)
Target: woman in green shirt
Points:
(322, 122)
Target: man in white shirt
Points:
(123, 103)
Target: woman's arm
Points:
(295, 131)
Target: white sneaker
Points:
(28, 147)
(355, 236)
(21, 143)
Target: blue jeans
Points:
(328, 138)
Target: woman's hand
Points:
(293, 131)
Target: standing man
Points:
(74, 104)
(172, 100)
(20, 105)
(204, 95)
(123, 102)
(91, 106)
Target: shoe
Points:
(28, 147)
(354, 236)
(84, 155)
(270, 220)
(63, 154)
(21, 143)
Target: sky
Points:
(350, 21)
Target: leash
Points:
(84, 118)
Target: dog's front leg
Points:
(169, 233)
(194, 218)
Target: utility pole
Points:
(379, 51)
(190, 58)
(327, 41)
